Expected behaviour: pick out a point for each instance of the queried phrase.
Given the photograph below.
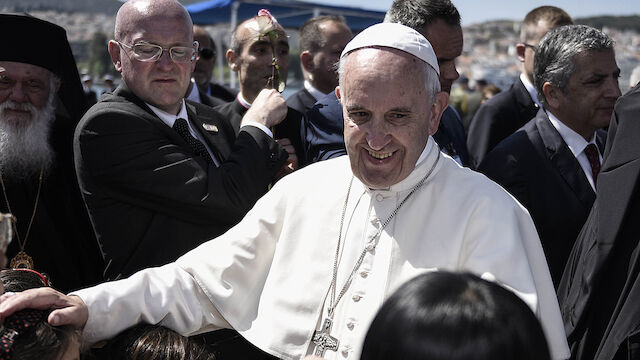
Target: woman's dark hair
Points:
(152, 342)
(38, 340)
(454, 316)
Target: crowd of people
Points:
(370, 215)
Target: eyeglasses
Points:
(206, 53)
(148, 52)
(532, 47)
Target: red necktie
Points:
(594, 160)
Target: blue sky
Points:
(474, 11)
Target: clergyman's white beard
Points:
(25, 148)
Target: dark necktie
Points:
(181, 127)
(594, 160)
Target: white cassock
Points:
(269, 276)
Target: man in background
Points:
(251, 57)
(202, 89)
(551, 164)
(507, 112)
(322, 39)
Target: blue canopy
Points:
(290, 13)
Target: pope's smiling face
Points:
(388, 114)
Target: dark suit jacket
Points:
(599, 294)
(498, 118)
(537, 167)
(222, 92)
(210, 100)
(301, 101)
(150, 199)
(324, 132)
(289, 128)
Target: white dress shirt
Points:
(530, 89)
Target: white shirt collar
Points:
(194, 95)
(574, 141)
(167, 118)
(530, 88)
(317, 94)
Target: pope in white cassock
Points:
(306, 270)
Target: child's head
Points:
(26, 334)
(152, 342)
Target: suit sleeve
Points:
(506, 169)
(482, 133)
(135, 161)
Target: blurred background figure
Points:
(202, 89)
(108, 84)
(634, 79)
(322, 40)
(152, 342)
(454, 316)
(489, 91)
(473, 102)
(27, 335)
(87, 86)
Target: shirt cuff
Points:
(258, 125)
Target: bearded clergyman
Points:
(41, 100)
(305, 271)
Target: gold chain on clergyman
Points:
(33, 214)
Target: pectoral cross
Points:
(323, 339)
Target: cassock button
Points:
(379, 197)
(345, 351)
(356, 298)
(364, 274)
(350, 325)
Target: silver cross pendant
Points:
(323, 339)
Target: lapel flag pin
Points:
(210, 127)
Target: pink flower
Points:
(266, 22)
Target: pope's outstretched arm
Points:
(67, 310)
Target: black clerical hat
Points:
(30, 40)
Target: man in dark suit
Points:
(600, 290)
(160, 175)
(322, 39)
(250, 56)
(508, 111)
(439, 22)
(202, 89)
(551, 164)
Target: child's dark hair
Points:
(152, 342)
(26, 334)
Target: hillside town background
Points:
(489, 47)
